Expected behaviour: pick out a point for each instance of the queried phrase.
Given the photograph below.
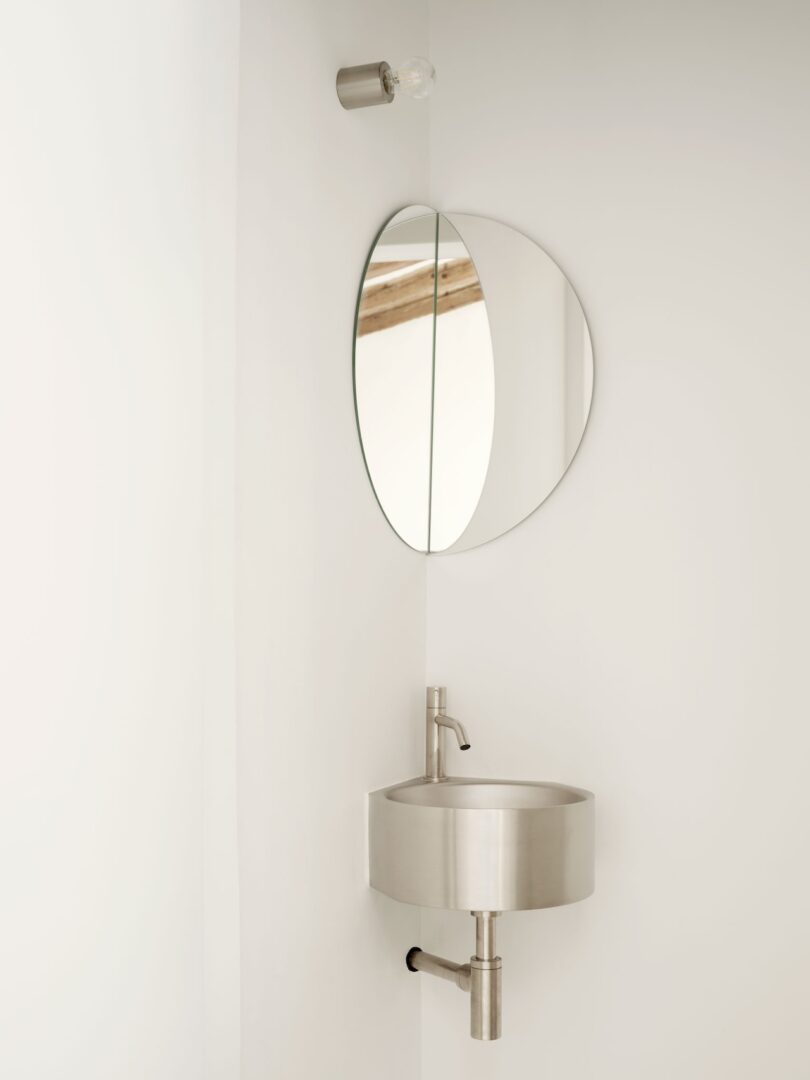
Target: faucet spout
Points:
(458, 727)
(436, 721)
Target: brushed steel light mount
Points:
(379, 83)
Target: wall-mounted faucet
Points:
(436, 720)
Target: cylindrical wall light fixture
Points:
(379, 83)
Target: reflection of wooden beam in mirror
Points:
(377, 269)
(410, 295)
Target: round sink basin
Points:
(481, 845)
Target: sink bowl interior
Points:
(484, 795)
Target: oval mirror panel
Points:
(473, 377)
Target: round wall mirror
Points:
(473, 377)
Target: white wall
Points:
(107, 223)
(331, 605)
(645, 633)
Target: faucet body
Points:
(436, 722)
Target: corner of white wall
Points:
(330, 620)
(221, 972)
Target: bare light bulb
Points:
(413, 78)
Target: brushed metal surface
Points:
(363, 85)
(436, 723)
(481, 978)
(459, 974)
(482, 845)
(485, 999)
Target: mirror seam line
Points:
(433, 381)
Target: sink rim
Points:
(577, 795)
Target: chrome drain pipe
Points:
(485, 989)
(481, 978)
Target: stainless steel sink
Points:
(482, 845)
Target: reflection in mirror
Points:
(543, 374)
(393, 373)
(473, 377)
(463, 392)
